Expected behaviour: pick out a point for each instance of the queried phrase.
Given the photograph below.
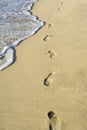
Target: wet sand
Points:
(45, 89)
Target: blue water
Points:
(16, 21)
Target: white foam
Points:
(8, 51)
(7, 55)
(7, 58)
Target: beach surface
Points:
(46, 88)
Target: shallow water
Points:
(16, 21)
(16, 24)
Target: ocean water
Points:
(16, 24)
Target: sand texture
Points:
(46, 88)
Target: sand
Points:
(46, 88)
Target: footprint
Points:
(47, 37)
(61, 3)
(52, 53)
(49, 79)
(55, 123)
(60, 7)
(50, 25)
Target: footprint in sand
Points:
(47, 37)
(55, 123)
(50, 25)
(52, 54)
(61, 3)
(49, 79)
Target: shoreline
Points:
(46, 87)
(5, 60)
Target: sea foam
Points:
(16, 24)
(7, 58)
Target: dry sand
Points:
(46, 88)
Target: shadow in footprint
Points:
(49, 79)
(51, 114)
(50, 127)
(50, 25)
(47, 37)
(54, 123)
(52, 54)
